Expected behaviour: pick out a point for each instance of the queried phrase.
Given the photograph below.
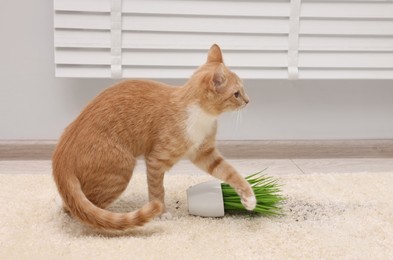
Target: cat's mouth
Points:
(243, 106)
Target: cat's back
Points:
(132, 96)
(141, 89)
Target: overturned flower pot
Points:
(205, 199)
(213, 198)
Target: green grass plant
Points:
(267, 191)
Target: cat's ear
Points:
(218, 79)
(215, 54)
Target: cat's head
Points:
(221, 89)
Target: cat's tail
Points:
(81, 208)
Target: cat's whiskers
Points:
(238, 119)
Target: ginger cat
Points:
(95, 157)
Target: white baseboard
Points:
(273, 149)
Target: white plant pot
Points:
(205, 199)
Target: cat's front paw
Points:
(249, 202)
(247, 198)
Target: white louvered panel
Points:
(346, 39)
(170, 38)
(84, 27)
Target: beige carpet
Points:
(335, 216)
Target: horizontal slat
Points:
(82, 38)
(82, 5)
(346, 60)
(203, 41)
(168, 58)
(82, 56)
(348, 43)
(82, 20)
(173, 23)
(345, 9)
(272, 8)
(161, 72)
(345, 73)
(278, 8)
(160, 40)
(346, 27)
(67, 71)
(157, 71)
(169, 72)
(346, 1)
(205, 24)
(197, 58)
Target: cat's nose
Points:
(246, 99)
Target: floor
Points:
(245, 166)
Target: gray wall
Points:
(36, 105)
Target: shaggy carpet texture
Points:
(332, 216)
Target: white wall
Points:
(36, 105)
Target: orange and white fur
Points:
(95, 157)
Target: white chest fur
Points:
(199, 124)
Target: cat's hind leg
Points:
(108, 180)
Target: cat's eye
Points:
(237, 94)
